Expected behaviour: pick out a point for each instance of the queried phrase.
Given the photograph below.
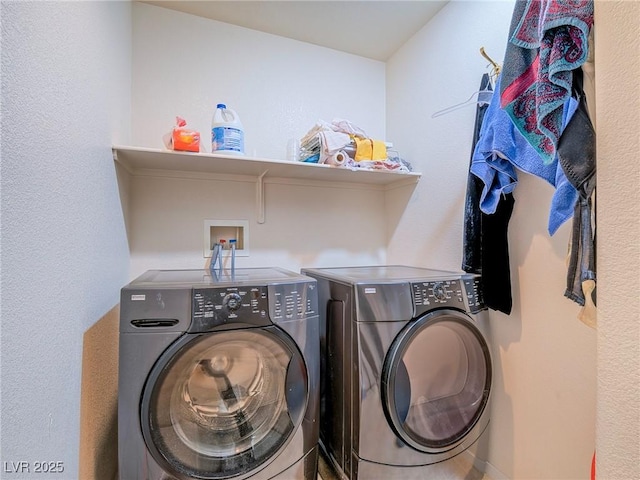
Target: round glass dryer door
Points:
(436, 380)
(219, 405)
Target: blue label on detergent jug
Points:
(227, 138)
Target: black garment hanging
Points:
(577, 156)
(496, 272)
(472, 243)
(485, 242)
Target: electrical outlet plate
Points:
(215, 230)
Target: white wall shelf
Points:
(144, 161)
(138, 159)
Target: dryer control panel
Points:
(474, 293)
(463, 293)
(213, 307)
(436, 294)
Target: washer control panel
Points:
(293, 301)
(436, 294)
(258, 305)
(213, 307)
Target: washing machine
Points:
(218, 376)
(406, 373)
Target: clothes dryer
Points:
(218, 376)
(406, 373)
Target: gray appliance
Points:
(405, 373)
(219, 376)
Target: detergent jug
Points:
(227, 134)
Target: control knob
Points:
(232, 301)
(439, 291)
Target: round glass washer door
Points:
(436, 380)
(220, 405)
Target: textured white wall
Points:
(440, 67)
(617, 55)
(543, 421)
(65, 98)
(305, 225)
(280, 88)
(185, 65)
(65, 95)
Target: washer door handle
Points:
(155, 322)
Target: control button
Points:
(232, 301)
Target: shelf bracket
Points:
(260, 197)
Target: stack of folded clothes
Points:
(342, 144)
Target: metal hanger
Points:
(481, 97)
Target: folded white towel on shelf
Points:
(332, 142)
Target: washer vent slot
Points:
(155, 322)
